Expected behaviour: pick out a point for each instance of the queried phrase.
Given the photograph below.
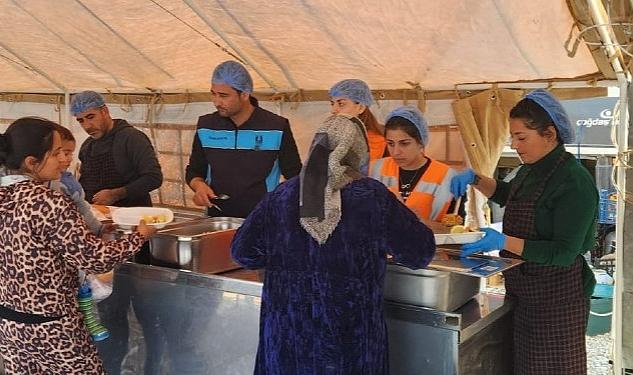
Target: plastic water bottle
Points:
(603, 173)
(87, 307)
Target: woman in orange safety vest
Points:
(353, 97)
(423, 184)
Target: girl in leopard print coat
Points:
(43, 241)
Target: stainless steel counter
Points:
(181, 322)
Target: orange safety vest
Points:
(431, 196)
(377, 144)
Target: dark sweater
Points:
(134, 158)
(565, 213)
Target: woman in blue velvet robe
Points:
(322, 300)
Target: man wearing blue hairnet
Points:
(118, 163)
(119, 168)
(241, 150)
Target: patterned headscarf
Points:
(337, 156)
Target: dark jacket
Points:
(244, 162)
(134, 159)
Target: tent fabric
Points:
(173, 46)
(483, 122)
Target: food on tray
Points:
(103, 209)
(154, 219)
(461, 229)
(452, 219)
(458, 229)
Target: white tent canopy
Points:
(173, 45)
(404, 49)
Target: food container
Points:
(457, 238)
(202, 245)
(128, 217)
(439, 290)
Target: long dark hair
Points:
(368, 118)
(534, 117)
(27, 136)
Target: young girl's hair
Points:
(64, 133)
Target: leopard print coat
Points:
(43, 241)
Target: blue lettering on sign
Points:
(224, 139)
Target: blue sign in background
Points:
(592, 120)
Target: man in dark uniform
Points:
(118, 163)
(240, 150)
(119, 168)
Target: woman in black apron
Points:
(550, 221)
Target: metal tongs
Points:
(219, 197)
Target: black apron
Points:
(99, 172)
(551, 310)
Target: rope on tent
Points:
(203, 16)
(57, 107)
(149, 119)
(70, 45)
(123, 39)
(421, 98)
(456, 92)
(222, 48)
(572, 52)
(405, 101)
(187, 101)
(296, 97)
(32, 68)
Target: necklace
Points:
(405, 188)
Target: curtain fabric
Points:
(483, 123)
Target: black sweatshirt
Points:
(134, 159)
(244, 162)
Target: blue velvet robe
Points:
(322, 306)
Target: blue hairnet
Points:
(233, 74)
(415, 117)
(556, 112)
(352, 89)
(85, 100)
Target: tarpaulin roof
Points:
(288, 45)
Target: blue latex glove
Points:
(492, 240)
(71, 183)
(460, 182)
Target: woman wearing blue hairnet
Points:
(550, 220)
(353, 97)
(423, 184)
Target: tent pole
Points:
(196, 9)
(620, 315)
(66, 117)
